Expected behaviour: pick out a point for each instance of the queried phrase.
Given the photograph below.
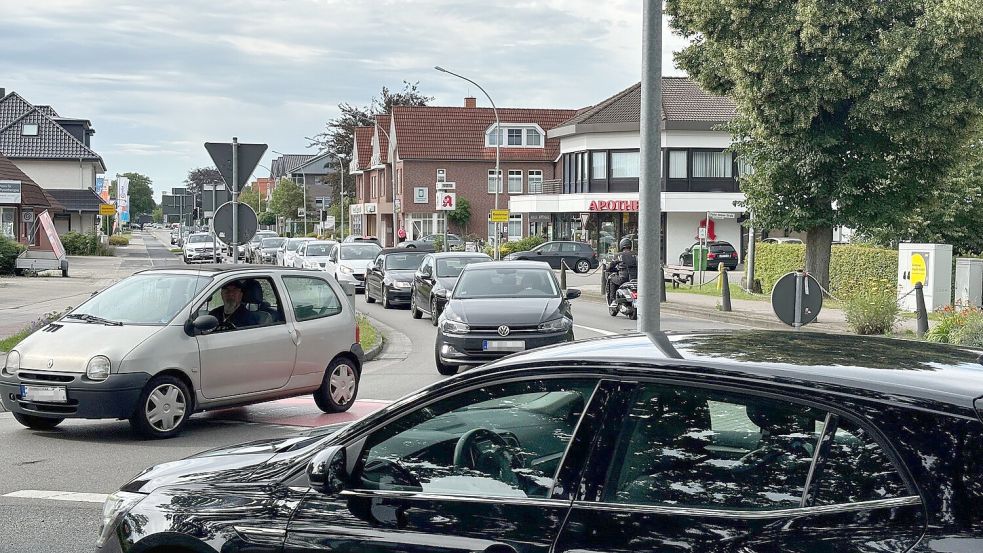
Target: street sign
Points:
(301, 212)
(723, 215)
(499, 216)
(446, 185)
(446, 201)
(27, 216)
(107, 209)
(797, 299)
(702, 233)
(329, 221)
(222, 223)
(248, 156)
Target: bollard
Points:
(921, 312)
(563, 275)
(724, 290)
(662, 288)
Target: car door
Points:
(252, 358)
(374, 275)
(482, 470)
(298, 261)
(423, 282)
(331, 266)
(699, 469)
(569, 254)
(319, 324)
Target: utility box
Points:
(930, 264)
(969, 282)
(700, 257)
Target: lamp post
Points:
(498, 145)
(393, 174)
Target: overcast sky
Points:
(158, 79)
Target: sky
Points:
(158, 79)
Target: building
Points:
(21, 201)
(179, 206)
(317, 174)
(594, 196)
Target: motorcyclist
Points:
(622, 269)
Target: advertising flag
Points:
(123, 198)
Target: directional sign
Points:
(446, 201)
(723, 215)
(222, 223)
(107, 209)
(248, 156)
(499, 216)
(329, 221)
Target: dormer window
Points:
(29, 129)
(523, 135)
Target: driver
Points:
(232, 314)
(623, 269)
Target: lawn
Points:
(369, 336)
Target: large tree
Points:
(141, 192)
(849, 111)
(287, 198)
(201, 176)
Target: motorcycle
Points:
(625, 300)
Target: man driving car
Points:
(232, 314)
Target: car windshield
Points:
(148, 298)
(359, 251)
(404, 261)
(452, 266)
(316, 250)
(195, 238)
(292, 245)
(271, 242)
(504, 282)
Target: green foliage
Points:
(158, 215)
(287, 198)
(250, 197)
(77, 243)
(872, 310)
(119, 240)
(970, 334)
(461, 214)
(523, 245)
(957, 326)
(141, 192)
(267, 218)
(853, 267)
(9, 250)
(201, 176)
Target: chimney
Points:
(3, 92)
(469, 102)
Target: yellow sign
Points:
(107, 209)
(918, 269)
(500, 216)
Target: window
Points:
(515, 137)
(493, 137)
(260, 305)
(503, 441)
(312, 298)
(857, 469)
(491, 181)
(624, 165)
(29, 129)
(515, 182)
(599, 165)
(744, 167)
(523, 135)
(535, 182)
(8, 222)
(712, 165)
(515, 226)
(677, 164)
(533, 138)
(709, 449)
(569, 247)
(441, 175)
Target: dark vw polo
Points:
(500, 308)
(744, 442)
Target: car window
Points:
(548, 248)
(707, 449)
(403, 261)
(311, 297)
(317, 250)
(360, 250)
(451, 267)
(147, 298)
(260, 302)
(569, 247)
(506, 282)
(857, 469)
(502, 440)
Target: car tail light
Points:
(711, 255)
(634, 295)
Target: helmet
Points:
(625, 243)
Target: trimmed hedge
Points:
(119, 240)
(853, 267)
(523, 245)
(77, 243)
(9, 250)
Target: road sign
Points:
(702, 233)
(797, 290)
(446, 185)
(723, 215)
(500, 216)
(329, 221)
(248, 156)
(27, 216)
(301, 212)
(222, 223)
(446, 201)
(107, 209)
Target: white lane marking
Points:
(59, 496)
(597, 330)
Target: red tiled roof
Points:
(363, 146)
(383, 121)
(458, 133)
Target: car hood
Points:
(251, 462)
(68, 345)
(357, 265)
(401, 276)
(511, 311)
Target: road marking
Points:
(597, 330)
(59, 496)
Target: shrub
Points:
(77, 243)
(970, 333)
(948, 329)
(9, 250)
(872, 311)
(119, 240)
(523, 245)
(852, 267)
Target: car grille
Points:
(518, 329)
(45, 377)
(360, 277)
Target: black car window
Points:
(506, 282)
(504, 440)
(569, 247)
(260, 306)
(404, 261)
(708, 449)
(549, 247)
(451, 267)
(857, 469)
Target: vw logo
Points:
(503, 330)
(51, 363)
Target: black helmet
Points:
(625, 243)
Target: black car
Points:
(728, 442)
(500, 308)
(389, 278)
(428, 242)
(720, 253)
(435, 279)
(579, 256)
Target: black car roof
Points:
(893, 370)
(518, 264)
(440, 255)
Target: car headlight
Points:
(98, 368)
(402, 284)
(346, 270)
(113, 510)
(12, 364)
(562, 324)
(447, 326)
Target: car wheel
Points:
(433, 311)
(582, 266)
(633, 314)
(385, 298)
(163, 408)
(613, 311)
(339, 388)
(414, 311)
(443, 368)
(36, 423)
(186, 260)
(368, 296)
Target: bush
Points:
(119, 240)
(9, 250)
(872, 311)
(970, 333)
(852, 267)
(77, 243)
(523, 245)
(949, 328)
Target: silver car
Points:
(165, 343)
(313, 255)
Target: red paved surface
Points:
(296, 411)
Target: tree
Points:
(267, 218)
(141, 191)
(849, 111)
(287, 198)
(158, 215)
(461, 214)
(250, 196)
(201, 176)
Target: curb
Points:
(382, 330)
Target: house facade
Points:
(21, 202)
(315, 173)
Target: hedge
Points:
(119, 240)
(522, 245)
(9, 250)
(852, 267)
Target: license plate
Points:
(49, 394)
(727, 255)
(503, 345)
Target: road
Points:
(53, 483)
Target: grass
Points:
(369, 336)
(11, 341)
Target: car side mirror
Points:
(572, 293)
(201, 325)
(328, 471)
(539, 252)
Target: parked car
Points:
(266, 253)
(781, 240)
(433, 282)
(428, 241)
(579, 256)
(347, 262)
(199, 247)
(389, 277)
(150, 349)
(285, 255)
(313, 254)
(353, 238)
(720, 252)
(499, 308)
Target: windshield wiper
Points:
(93, 319)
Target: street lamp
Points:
(393, 174)
(498, 145)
